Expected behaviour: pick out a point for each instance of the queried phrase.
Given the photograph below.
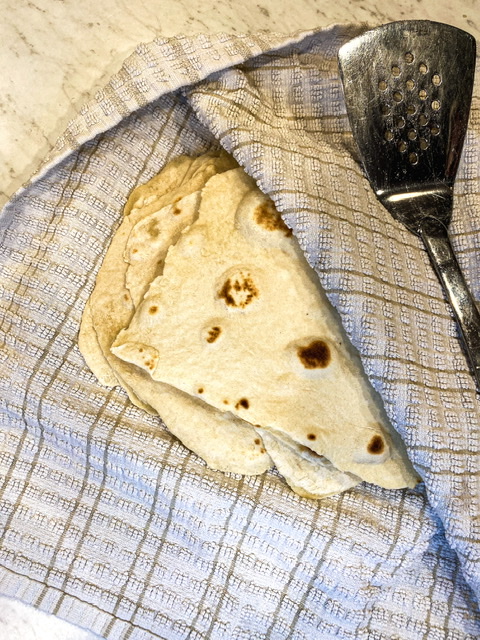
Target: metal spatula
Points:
(408, 88)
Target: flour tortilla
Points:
(149, 240)
(225, 442)
(90, 349)
(307, 473)
(239, 314)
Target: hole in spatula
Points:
(413, 158)
(423, 144)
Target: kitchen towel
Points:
(109, 522)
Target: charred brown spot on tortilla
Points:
(225, 401)
(238, 291)
(153, 309)
(376, 445)
(311, 436)
(153, 229)
(200, 389)
(267, 216)
(316, 355)
(134, 250)
(262, 450)
(150, 364)
(176, 210)
(141, 350)
(213, 334)
(126, 297)
(243, 402)
(257, 441)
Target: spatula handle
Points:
(435, 237)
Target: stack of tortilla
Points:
(206, 312)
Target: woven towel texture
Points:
(110, 522)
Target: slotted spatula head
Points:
(408, 88)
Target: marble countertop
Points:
(57, 53)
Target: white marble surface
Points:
(56, 53)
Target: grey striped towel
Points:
(108, 521)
